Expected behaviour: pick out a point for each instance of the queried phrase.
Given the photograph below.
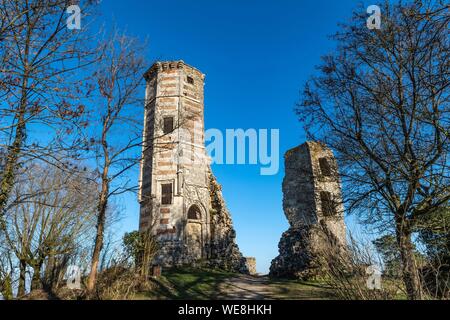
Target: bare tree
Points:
(9, 17)
(40, 85)
(51, 217)
(116, 144)
(6, 271)
(382, 103)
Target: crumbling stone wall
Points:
(313, 206)
(224, 251)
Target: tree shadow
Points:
(192, 284)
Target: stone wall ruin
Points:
(312, 203)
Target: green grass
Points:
(299, 290)
(187, 283)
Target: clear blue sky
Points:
(256, 56)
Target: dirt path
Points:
(246, 288)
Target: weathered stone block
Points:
(312, 204)
(250, 262)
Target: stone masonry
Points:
(313, 206)
(180, 200)
(251, 265)
(224, 252)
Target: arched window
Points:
(194, 213)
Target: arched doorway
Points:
(194, 234)
(194, 213)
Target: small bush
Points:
(119, 283)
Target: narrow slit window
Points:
(325, 168)
(328, 205)
(190, 80)
(168, 125)
(166, 194)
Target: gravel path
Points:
(246, 287)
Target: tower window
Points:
(166, 194)
(168, 125)
(325, 168)
(190, 80)
(328, 205)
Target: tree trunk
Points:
(103, 204)
(49, 273)
(22, 278)
(411, 277)
(36, 283)
(9, 172)
(8, 175)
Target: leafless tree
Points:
(50, 218)
(119, 84)
(40, 86)
(6, 271)
(381, 101)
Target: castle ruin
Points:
(182, 203)
(180, 199)
(313, 206)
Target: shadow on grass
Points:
(207, 284)
(189, 283)
(299, 290)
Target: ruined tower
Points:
(174, 193)
(313, 206)
(181, 202)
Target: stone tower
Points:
(174, 183)
(313, 205)
(180, 199)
